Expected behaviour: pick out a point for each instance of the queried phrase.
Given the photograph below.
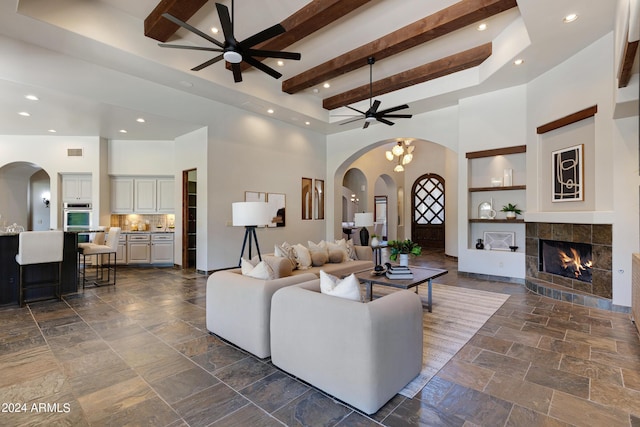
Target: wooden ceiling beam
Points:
(443, 22)
(158, 28)
(451, 64)
(306, 21)
(626, 66)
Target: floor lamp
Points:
(364, 220)
(250, 215)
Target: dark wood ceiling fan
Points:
(232, 50)
(372, 114)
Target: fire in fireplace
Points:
(572, 260)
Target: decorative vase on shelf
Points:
(479, 245)
(404, 259)
(511, 215)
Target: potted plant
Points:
(511, 210)
(404, 248)
(375, 241)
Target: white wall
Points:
(50, 153)
(131, 157)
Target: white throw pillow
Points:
(285, 250)
(318, 247)
(348, 288)
(303, 257)
(260, 271)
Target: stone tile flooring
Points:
(140, 354)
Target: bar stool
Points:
(39, 247)
(101, 251)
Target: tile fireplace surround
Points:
(594, 294)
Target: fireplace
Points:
(570, 262)
(566, 259)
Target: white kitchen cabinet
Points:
(138, 249)
(76, 188)
(121, 250)
(121, 195)
(142, 195)
(165, 192)
(162, 248)
(145, 195)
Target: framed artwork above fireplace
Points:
(568, 175)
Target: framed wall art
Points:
(307, 198)
(276, 202)
(499, 240)
(318, 199)
(567, 168)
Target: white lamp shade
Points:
(364, 219)
(250, 213)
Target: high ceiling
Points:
(95, 71)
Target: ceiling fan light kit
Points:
(232, 50)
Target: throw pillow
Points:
(285, 250)
(352, 250)
(260, 271)
(336, 256)
(303, 257)
(318, 247)
(342, 245)
(318, 258)
(348, 288)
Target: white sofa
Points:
(360, 353)
(238, 307)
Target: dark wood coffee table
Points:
(420, 275)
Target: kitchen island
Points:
(10, 270)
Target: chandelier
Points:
(402, 153)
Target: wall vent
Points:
(74, 152)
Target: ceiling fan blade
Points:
(262, 36)
(392, 109)
(225, 22)
(395, 116)
(273, 54)
(191, 28)
(366, 125)
(260, 66)
(385, 121)
(207, 63)
(179, 46)
(237, 72)
(352, 120)
(355, 109)
(375, 106)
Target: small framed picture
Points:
(499, 240)
(567, 168)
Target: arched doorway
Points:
(25, 196)
(427, 211)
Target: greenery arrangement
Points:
(511, 208)
(403, 247)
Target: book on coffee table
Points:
(399, 272)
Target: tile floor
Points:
(139, 354)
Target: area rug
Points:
(458, 313)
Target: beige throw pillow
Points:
(285, 250)
(303, 257)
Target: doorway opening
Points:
(189, 217)
(427, 207)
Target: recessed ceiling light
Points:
(270, 111)
(315, 90)
(24, 114)
(122, 131)
(569, 18)
(482, 27)
(326, 85)
(31, 97)
(307, 123)
(52, 131)
(140, 120)
(280, 63)
(518, 61)
(214, 30)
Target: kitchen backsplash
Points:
(138, 222)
